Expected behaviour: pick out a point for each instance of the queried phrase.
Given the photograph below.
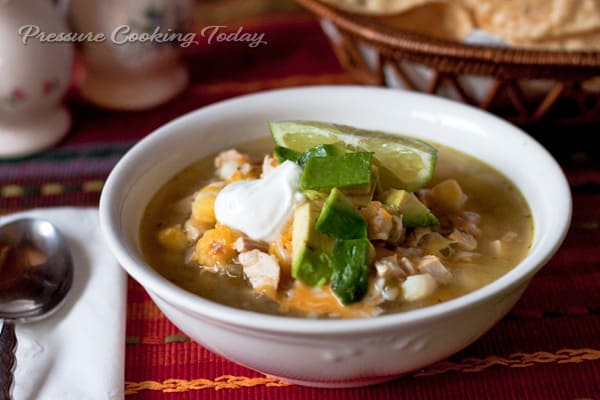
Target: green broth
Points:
(500, 204)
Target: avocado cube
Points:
(350, 263)
(321, 150)
(284, 154)
(349, 172)
(340, 219)
(414, 213)
(362, 200)
(310, 248)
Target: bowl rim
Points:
(156, 285)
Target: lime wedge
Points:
(404, 162)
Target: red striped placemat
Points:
(548, 347)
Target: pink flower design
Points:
(49, 87)
(15, 97)
(18, 95)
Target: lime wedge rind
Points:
(405, 162)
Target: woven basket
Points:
(524, 86)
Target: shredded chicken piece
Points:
(429, 241)
(416, 235)
(434, 267)
(464, 256)
(467, 221)
(407, 266)
(471, 216)
(463, 240)
(388, 267)
(188, 256)
(269, 164)
(509, 236)
(244, 244)
(384, 291)
(192, 230)
(228, 162)
(281, 249)
(391, 271)
(398, 232)
(393, 268)
(379, 221)
(409, 252)
(499, 245)
(261, 269)
(417, 287)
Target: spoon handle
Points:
(8, 344)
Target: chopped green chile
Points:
(321, 150)
(301, 158)
(350, 264)
(284, 154)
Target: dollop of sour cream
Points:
(260, 208)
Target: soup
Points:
(480, 228)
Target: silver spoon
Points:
(36, 273)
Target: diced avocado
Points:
(340, 219)
(361, 200)
(349, 172)
(350, 263)
(314, 195)
(310, 248)
(283, 154)
(321, 150)
(414, 213)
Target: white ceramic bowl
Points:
(335, 353)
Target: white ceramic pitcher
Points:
(33, 78)
(137, 74)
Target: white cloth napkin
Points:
(78, 352)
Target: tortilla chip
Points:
(587, 42)
(377, 7)
(536, 20)
(540, 24)
(439, 20)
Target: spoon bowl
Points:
(36, 273)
